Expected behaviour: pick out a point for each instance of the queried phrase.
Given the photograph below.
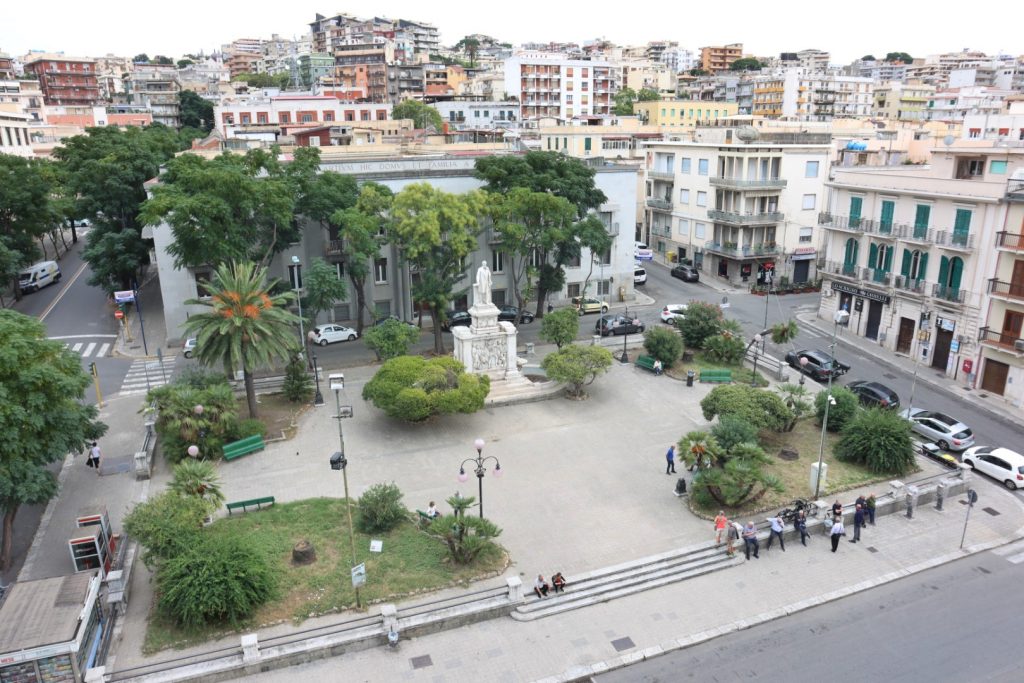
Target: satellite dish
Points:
(948, 140)
(747, 134)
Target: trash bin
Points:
(689, 378)
(529, 348)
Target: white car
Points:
(671, 312)
(948, 432)
(1001, 464)
(190, 347)
(328, 334)
(639, 275)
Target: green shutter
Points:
(962, 226)
(905, 266)
(924, 212)
(855, 206)
(586, 144)
(888, 208)
(922, 265)
(956, 271)
(943, 271)
(888, 259)
(873, 255)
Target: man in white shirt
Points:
(837, 530)
(94, 457)
(777, 527)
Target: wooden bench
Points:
(244, 505)
(716, 376)
(249, 444)
(645, 362)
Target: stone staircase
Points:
(620, 580)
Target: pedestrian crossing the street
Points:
(146, 374)
(1013, 552)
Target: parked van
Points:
(37, 276)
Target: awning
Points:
(804, 254)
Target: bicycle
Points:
(789, 514)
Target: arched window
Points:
(951, 271)
(915, 265)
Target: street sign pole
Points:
(972, 498)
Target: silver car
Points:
(950, 434)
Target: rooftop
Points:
(43, 612)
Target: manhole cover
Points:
(788, 454)
(421, 662)
(621, 644)
(872, 549)
(983, 395)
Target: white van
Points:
(38, 275)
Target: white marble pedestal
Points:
(487, 346)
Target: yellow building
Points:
(676, 113)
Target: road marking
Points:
(77, 348)
(1009, 548)
(144, 375)
(1016, 559)
(88, 349)
(103, 350)
(67, 288)
(85, 336)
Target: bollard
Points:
(250, 648)
(689, 378)
(940, 493)
(910, 506)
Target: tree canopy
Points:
(358, 234)
(422, 115)
(413, 388)
(196, 112)
(577, 366)
(26, 213)
(745, 64)
(899, 57)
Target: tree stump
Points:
(303, 553)
(788, 454)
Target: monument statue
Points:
(482, 288)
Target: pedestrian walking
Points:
(735, 531)
(800, 524)
(837, 530)
(750, 539)
(871, 509)
(670, 458)
(858, 523)
(776, 531)
(862, 501)
(720, 522)
(94, 457)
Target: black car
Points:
(873, 394)
(509, 313)
(686, 273)
(617, 324)
(819, 364)
(455, 319)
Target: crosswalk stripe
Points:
(88, 349)
(144, 375)
(1009, 548)
(1016, 559)
(103, 350)
(77, 347)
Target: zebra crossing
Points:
(93, 347)
(1013, 552)
(145, 374)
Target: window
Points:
(915, 264)
(605, 257)
(380, 271)
(702, 167)
(203, 277)
(284, 117)
(295, 276)
(698, 230)
(856, 203)
(962, 226)
(536, 258)
(686, 165)
(328, 115)
(684, 196)
(811, 169)
(998, 167)
(573, 290)
(684, 227)
(586, 145)
(306, 118)
(974, 133)
(497, 261)
(246, 119)
(702, 198)
(339, 268)
(663, 111)
(603, 288)
(476, 114)
(806, 235)
(809, 201)
(575, 261)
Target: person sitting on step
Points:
(540, 586)
(558, 582)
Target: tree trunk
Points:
(542, 295)
(8, 537)
(250, 394)
(438, 336)
(16, 287)
(357, 285)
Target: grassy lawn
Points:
(276, 412)
(740, 373)
(795, 475)
(411, 562)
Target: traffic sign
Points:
(124, 296)
(359, 575)
(119, 314)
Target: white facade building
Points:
(461, 115)
(271, 110)
(551, 84)
(14, 125)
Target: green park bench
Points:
(645, 362)
(249, 444)
(257, 503)
(716, 376)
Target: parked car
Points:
(189, 349)
(618, 324)
(819, 364)
(686, 273)
(874, 394)
(948, 432)
(328, 334)
(1001, 464)
(589, 305)
(671, 312)
(509, 313)
(455, 319)
(639, 275)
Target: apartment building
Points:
(813, 97)
(14, 127)
(741, 205)
(878, 71)
(679, 113)
(64, 80)
(953, 105)
(1007, 125)
(269, 112)
(720, 58)
(652, 75)
(911, 251)
(156, 87)
(242, 56)
(6, 68)
(902, 101)
(551, 84)
(472, 114)
(622, 139)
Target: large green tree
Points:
(196, 112)
(577, 366)
(422, 115)
(42, 418)
(745, 64)
(359, 230)
(25, 214)
(435, 231)
(323, 289)
(245, 327)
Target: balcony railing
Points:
(955, 240)
(868, 226)
(876, 275)
(661, 230)
(734, 218)
(334, 248)
(849, 270)
(1010, 240)
(947, 293)
(741, 184)
(659, 204)
(1001, 340)
(661, 175)
(742, 252)
(906, 284)
(1009, 290)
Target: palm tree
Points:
(198, 478)
(246, 327)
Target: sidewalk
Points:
(150, 325)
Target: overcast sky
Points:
(847, 30)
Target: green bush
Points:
(878, 439)
(249, 427)
(577, 366)
(298, 385)
(845, 408)
(413, 388)
(198, 479)
(216, 581)
(380, 508)
(166, 525)
(702, 320)
(465, 537)
(179, 425)
(391, 339)
(733, 430)
(560, 327)
(726, 348)
(664, 344)
(761, 408)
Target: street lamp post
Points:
(340, 462)
(298, 297)
(757, 342)
(625, 338)
(318, 400)
(841, 317)
(479, 470)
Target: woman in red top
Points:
(720, 522)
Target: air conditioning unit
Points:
(1018, 345)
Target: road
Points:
(952, 623)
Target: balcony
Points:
(747, 251)
(877, 276)
(849, 270)
(659, 204)
(958, 241)
(1010, 241)
(859, 225)
(661, 230)
(947, 293)
(334, 248)
(1006, 290)
(661, 175)
(741, 184)
(1002, 341)
(735, 218)
(908, 285)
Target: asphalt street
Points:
(957, 622)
